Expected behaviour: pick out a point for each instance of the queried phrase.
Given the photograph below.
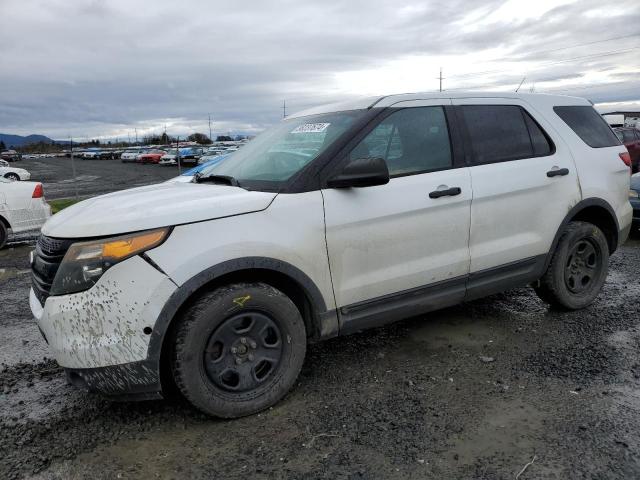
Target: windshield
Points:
(280, 152)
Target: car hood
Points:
(153, 206)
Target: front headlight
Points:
(633, 194)
(85, 262)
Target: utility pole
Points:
(73, 167)
(210, 137)
(284, 109)
(440, 78)
(128, 139)
(136, 130)
(178, 154)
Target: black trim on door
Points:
(498, 279)
(396, 306)
(420, 300)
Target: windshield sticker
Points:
(311, 128)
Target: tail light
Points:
(626, 158)
(38, 192)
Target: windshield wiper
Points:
(226, 179)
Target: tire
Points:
(12, 176)
(578, 268)
(4, 235)
(238, 349)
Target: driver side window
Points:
(411, 140)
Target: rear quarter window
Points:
(588, 125)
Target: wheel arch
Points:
(319, 322)
(5, 222)
(597, 212)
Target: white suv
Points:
(337, 219)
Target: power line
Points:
(566, 60)
(584, 44)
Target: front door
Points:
(401, 248)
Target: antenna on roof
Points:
(521, 82)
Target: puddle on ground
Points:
(509, 430)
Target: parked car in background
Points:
(12, 173)
(10, 156)
(107, 155)
(188, 176)
(190, 155)
(634, 198)
(304, 234)
(91, 154)
(168, 159)
(630, 137)
(151, 156)
(22, 208)
(207, 157)
(131, 156)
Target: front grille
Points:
(46, 261)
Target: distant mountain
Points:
(18, 140)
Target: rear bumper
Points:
(32, 218)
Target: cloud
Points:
(93, 68)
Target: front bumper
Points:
(129, 381)
(101, 336)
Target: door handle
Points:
(446, 192)
(558, 172)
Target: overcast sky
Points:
(91, 68)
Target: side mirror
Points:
(361, 172)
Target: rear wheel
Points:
(578, 268)
(12, 176)
(238, 349)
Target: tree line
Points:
(164, 139)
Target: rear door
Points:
(524, 183)
(400, 248)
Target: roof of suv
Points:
(389, 100)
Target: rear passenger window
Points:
(503, 132)
(588, 125)
(411, 140)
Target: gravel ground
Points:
(93, 177)
(476, 391)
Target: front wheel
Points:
(238, 349)
(12, 176)
(578, 268)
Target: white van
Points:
(337, 219)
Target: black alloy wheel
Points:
(243, 351)
(583, 265)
